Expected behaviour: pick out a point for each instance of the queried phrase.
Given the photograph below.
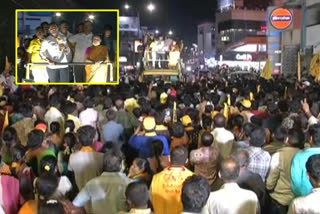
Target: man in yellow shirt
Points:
(166, 186)
(39, 73)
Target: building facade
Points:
(206, 40)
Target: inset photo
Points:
(67, 47)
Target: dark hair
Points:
(64, 22)
(137, 193)
(141, 163)
(256, 121)
(236, 120)
(111, 114)
(18, 151)
(25, 109)
(207, 139)
(48, 165)
(87, 21)
(55, 127)
(70, 139)
(70, 124)
(242, 157)
(9, 134)
(258, 137)
(248, 128)
(107, 28)
(208, 109)
(230, 170)
(313, 167)
(86, 135)
(315, 134)
(46, 186)
(206, 122)
(51, 207)
(69, 108)
(35, 138)
(280, 133)
(157, 150)
(219, 121)
(44, 23)
(54, 100)
(159, 118)
(195, 193)
(112, 161)
(52, 23)
(80, 24)
(178, 130)
(97, 35)
(89, 102)
(179, 156)
(296, 138)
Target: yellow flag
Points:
(226, 111)
(267, 73)
(5, 122)
(258, 89)
(175, 118)
(229, 100)
(251, 96)
(299, 67)
(315, 67)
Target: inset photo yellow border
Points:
(65, 10)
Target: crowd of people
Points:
(54, 45)
(213, 145)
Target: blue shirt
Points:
(143, 145)
(113, 131)
(300, 183)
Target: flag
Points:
(267, 73)
(258, 89)
(226, 111)
(299, 67)
(175, 118)
(5, 122)
(229, 100)
(315, 67)
(251, 96)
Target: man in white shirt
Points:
(223, 138)
(160, 51)
(309, 203)
(53, 114)
(231, 198)
(64, 29)
(82, 41)
(55, 49)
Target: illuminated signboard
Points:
(281, 18)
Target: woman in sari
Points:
(97, 54)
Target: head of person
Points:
(157, 148)
(107, 31)
(18, 153)
(178, 130)
(80, 28)
(64, 27)
(112, 161)
(46, 186)
(248, 129)
(229, 170)
(48, 165)
(280, 134)
(207, 123)
(179, 156)
(45, 26)
(10, 136)
(219, 121)
(54, 100)
(313, 170)
(137, 195)
(96, 40)
(87, 27)
(242, 157)
(149, 126)
(89, 103)
(25, 109)
(70, 127)
(69, 140)
(35, 139)
(21, 53)
(195, 193)
(138, 166)
(53, 29)
(245, 105)
(40, 33)
(315, 135)
(207, 139)
(86, 135)
(295, 138)
(160, 118)
(258, 137)
(70, 108)
(55, 127)
(119, 104)
(111, 115)
(50, 206)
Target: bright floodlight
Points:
(151, 7)
(91, 17)
(126, 6)
(157, 31)
(170, 32)
(58, 14)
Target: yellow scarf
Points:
(86, 149)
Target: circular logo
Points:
(281, 18)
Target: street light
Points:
(126, 6)
(58, 14)
(151, 7)
(170, 32)
(91, 17)
(157, 32)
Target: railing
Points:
(109, 68)
(169, 54)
